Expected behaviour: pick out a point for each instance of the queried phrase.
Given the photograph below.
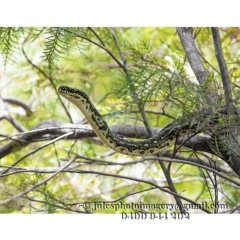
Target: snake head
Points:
(71, 93)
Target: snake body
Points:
(145, 147)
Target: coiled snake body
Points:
(146, 147)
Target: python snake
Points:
(146, 147)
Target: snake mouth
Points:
(71, 92)
(65, 90)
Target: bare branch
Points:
(47, 77)
(223, 69)
(53, 128)
(229, 140)
(164, 189)
(189, 161)
(194, 59)
(144, 117)
(35, 150)
(18, 102)
(95, 43)
(97, 36)
(15, 123)
(38, 184)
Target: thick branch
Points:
(194, 59)
(229, 140)
(223, 69)
(52, 128)
(188, 130)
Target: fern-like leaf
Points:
(9, 40)
(55, 45)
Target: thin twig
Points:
(66, 207)
(144, 118)
(38, 184)
(37, 149)
(96, 35)
(95, 43)
(15, 123)
(47, 77)
(18, 102)
(109, 163)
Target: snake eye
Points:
(62, 89)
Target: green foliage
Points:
(157, 80)
(9, 43)
(58, 42)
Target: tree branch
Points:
(15, 123)
(194, 59)
(38, 184)
(86, 160)
(47, 77)
(228, 141)
(18, 102)
(51, 129)
(144, 117)
(223, 70)
(37, 149)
